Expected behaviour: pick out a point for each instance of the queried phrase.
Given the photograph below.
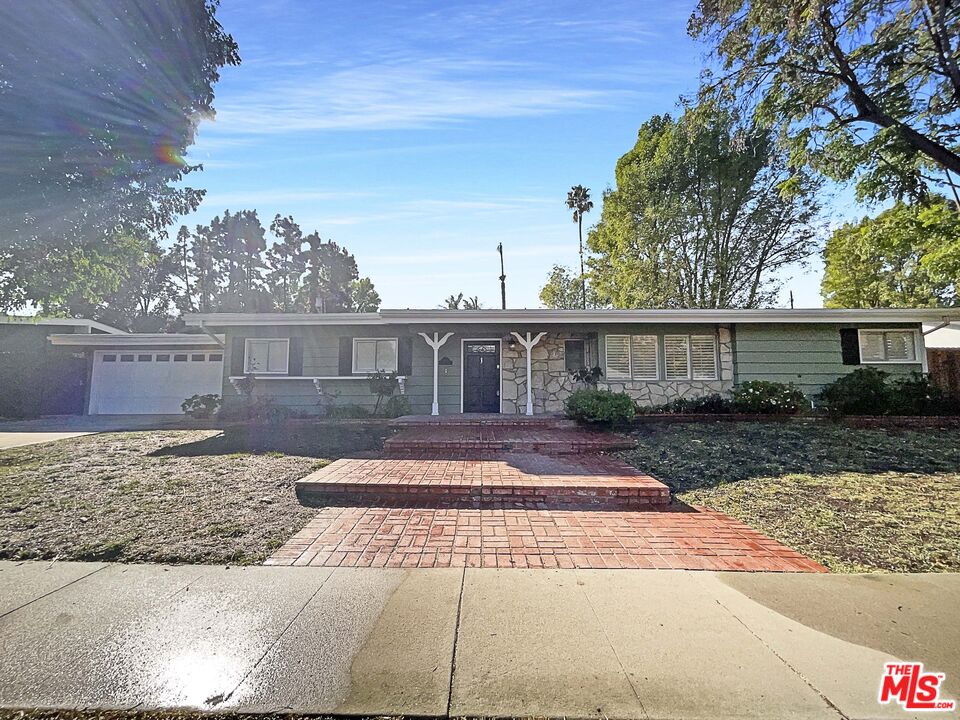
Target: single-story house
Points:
(499, 361)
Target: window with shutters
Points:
(676, 357)
(888, 346)
(374, 355)
(266, 357)
(644, 360)
(618, 357)
(703, 357)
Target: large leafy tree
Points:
(94, 131)
(861, 88)
(706, 214)
(578, 200)
(565, 290)
(285, 262)
(907, 256)
(363, 296)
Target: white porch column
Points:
(435, 343)
(528, 344)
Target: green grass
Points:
(852, 499)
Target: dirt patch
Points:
(852, 499)
(195, 496)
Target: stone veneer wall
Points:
(552, 384)
(657, 392)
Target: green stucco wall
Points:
(806, 355)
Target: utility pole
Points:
(791, 299)
(503, 280)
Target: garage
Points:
(136, 383)
(147, 374)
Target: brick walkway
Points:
(508, 537)
(501, 492)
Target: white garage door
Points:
(139, 383)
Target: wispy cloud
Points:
(403, 95)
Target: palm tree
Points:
(472, 303)
(452, 302)
(578, 200)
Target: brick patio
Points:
(512, 537)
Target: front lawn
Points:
(171, 496)
(852, 499)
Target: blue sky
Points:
(421, 134)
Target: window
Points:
(676, 357)
(198, 357)
(126, 358)
(163, 358)
(644, 361)
(266, 356)
(110, 358)
(180, 358)
(618, 357)
(574, 357)
(703, 357)
(888, 346)
(216, 357)
(374, 355)
(144, 358)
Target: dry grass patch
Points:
(192, 496)
(852, 499)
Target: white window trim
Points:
(246, 356)
(716, 356)
(353, 354)
(656, 347)
(918, 346)
(689, 374)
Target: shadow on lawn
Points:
(705, 454)
(320, 441)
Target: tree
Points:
(94, 132)
(563, 290)
(180, 270)
(363, 296)
(907, 256)
(452, 302)
(578, 200)
(285, 262)
(472, 303)
(868, 87)
(331, 270)
(705, 214)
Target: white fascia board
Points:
(64, 322)
(556, 317)
(134, 340)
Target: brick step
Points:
(486, 420)
(528, 478)
(548, 442)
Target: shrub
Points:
(587, 376)
(346, 412)
(201, 407)
(861, 392)
(383, 385)
(600, 406)
(715, 404)
(396, 406)
(772, 398)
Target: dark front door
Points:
(481, 376)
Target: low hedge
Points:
(601, 407)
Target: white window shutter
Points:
(643, 353)
(618, 357)
(703, 356)
(676, 357)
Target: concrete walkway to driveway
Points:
(17, 433)
(578, 643)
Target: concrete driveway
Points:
(456, 642)
(15, 433)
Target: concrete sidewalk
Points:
(651, 644)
